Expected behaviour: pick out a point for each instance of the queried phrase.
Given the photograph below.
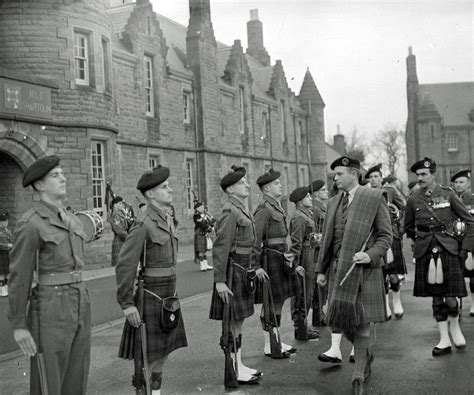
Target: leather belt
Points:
(430, 228)
(243, 250)
(60, 278)
(276, 240)
(160, 271)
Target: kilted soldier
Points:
(57, 332)
(272, 232)
(203, 226)
(6, 240)
(357, 234)
(120, 227)
(462, 186)
(234, 245)
(302, 246)
(152, 235)
(429, 221)
(394, 261)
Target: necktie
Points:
(63, 217)
(170, 222)
(345, 202)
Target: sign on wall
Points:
(22, 98)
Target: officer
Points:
(462, 186)
(303, 246)
(430, 219)
(153, 231)
(235, 239)
(51, 241)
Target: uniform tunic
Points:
(64, 310)
(120, 228)
(468, 199)
(271, 223)
(428, 221)
(153, 227)
(6, 238)
(235, 240)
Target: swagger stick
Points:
(354, 264)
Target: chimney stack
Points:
(255, 39)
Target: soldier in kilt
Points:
(234, 244)
(203, 226)
(429, 218)
(394, 261)
(356, 235)
(462, 186)
(153, 233)
(120, 227)
(272, 232)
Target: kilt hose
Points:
(398, 266)
(200, 241)
(242, 301)
(159, 343)
(453, 284)
(283, 285)
(116, 247)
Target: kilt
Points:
(116, 247)
(283, 285)
(398, 266)
(159, 343)
(200, 242)
(453, 284)
(242, 301)
(4, 262)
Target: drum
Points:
(92, 224)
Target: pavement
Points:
(403, 361)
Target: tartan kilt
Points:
(398, 266)
(4, 262)
(116, 247)
(242, 301)
(159, 343)
(453, 284)
(283, 285)
(200, 242)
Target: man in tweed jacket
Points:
(357, 233)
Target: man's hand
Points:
(224, 292)
(300, 270)
(262, 275)
(133, 317)
(361, 258)
(25, 341)
(321, 279)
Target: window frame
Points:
(148, 86)
(187, 107)
(189, 171)
(153, 161)
(452, 142)
(242, 110)
(98, 176)
(85, 58)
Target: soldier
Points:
(357, 234)
(6, 240)
(234, 243)
(51, 241)
(412, 187)
(302, 234)
(462, 186)
(153, 233)
(272, 232)
(429, 218)
(395, 262)
(120, 227)
(203, 227)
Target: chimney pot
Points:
(254, 14)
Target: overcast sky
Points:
(355, 49)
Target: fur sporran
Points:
(170, 313)
(288, 263)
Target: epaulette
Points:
(227, 207)
(27, 215)
(446, 187)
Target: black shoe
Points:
(291, 350)
(368, 366)
(441, 351)
(358, 387)
(352, 359)
(251, 381)
(327, 358)
(284, 354)
(398, 316)
(313, 334)
(258, 373)
(471, 314)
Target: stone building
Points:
(115, 88)
(440, 123)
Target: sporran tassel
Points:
(469, 264)
(432, 272)
(439, 271)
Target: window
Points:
(106, 58)
(267, 167)
(282, 120)
(453, 143)
(149, 86)
(299, 133)
(189, 184)
(186, 107)
(81, 58)
(98, 178)
(286, 173)
(241, 110)
(264, 125)
(153, 161)
(303, 178)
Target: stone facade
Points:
(116, 88)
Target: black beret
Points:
(346, 162)
(153, 178)
(425, 163)
(116, 199)
(412, 184)
(373, 169)
(316, 185)
(197, 204)
(298, 194)
(3, 215)
(233, 176)
(39, 169)
(461, 173)
(389, 179)
(363, 181)
(269, 176)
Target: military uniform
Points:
(6, 238)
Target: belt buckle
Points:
(173, 270)
(76, 276)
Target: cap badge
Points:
(345, 161)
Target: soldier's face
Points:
(323, 193)
(53, 184)
(375, 180)
(425, 178)
(461, 184)
(307, 201)
(345, 178)
(275, 188)
(241, 188)
(162, 194)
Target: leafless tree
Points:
(390, 145)
(355, 145)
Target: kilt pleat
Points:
(200, 242)
(398, 266)
(453, 284)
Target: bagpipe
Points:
(125, 210)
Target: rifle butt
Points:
(230, 378)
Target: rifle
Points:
(227, 338)
(301, 321)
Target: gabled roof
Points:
(309, 90)
(454, 101)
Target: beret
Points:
(346, 162)
(233, 176)
(461, 173)
(197, 203)
(316, 185)
(412, 184)
(269, 176)
(3, 215)
(153, 178)
(299, 194)
(116, 199)
(363, 181)
(39, 169)
(389, 179)
(425, 163)
(373, 169)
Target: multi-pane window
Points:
(282, 120)
(189, 184)
(153, 161)
(453, 142)
(264, 124)
(299, 133)
(81, 58)
(241, 110)
(186, 107)
(106, 59)
(149, 86)
(98, 177)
